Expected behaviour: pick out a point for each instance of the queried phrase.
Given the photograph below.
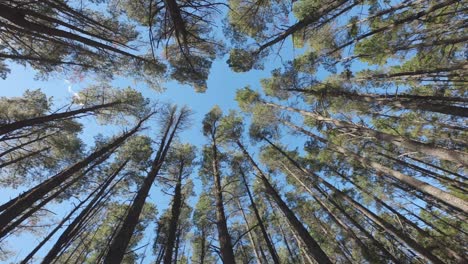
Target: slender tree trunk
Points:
(53, 117)
(311, 246)
(173, 224)
(270, 246)
(313, 18)
(335, 218)
(421, 186)
(120, 242)
(226, 248)
(19, 159)
(99, 194)
(358, 241)
(425, 253)
(247, 227)
(17, 17)
(439, 168)
(22, 145)
(440, 244)
(19, 204)
(442, 153)
(451, 182)
(394, 24)
(203, 248)
(71, 229)
(405, 101)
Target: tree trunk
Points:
(442, 153)
(270, 246)
(19, 204)
(358, 241)
(421, 186)
(49, 118)
(120, 242)
(30, 154)
(17, 17)
(226, 248)
(405, 101)
(249, 233)
(173, 224)
(425, 253)
(71, 229)
(311, 246)
(313, 18)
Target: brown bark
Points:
(19, 204)
(226, 247)
(271, 248)
(120, 242)
(424, 252)
(49, 118)
(421, 186)
(173, 224)
(311, 246)
(413, 145)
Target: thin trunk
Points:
(311, 246)
(247, 227)
(203, 248)
(439, 168)
(120, 242)
(331, 214)
(22, 145)
(446, 180)
(270, 246)
(393, 25)
(19, 204)
(53, 117)
(399, 141)
(312, 18)
(405, 101)
(173, 224)
(425, 253)
(421, 186)
(177, 246)
(226, 248)
(19, 159)
(72, 228)
(17, 17)
(358, 241)
(65, 219)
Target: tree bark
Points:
(173, 224)
(425, 253)
(271, 248)
(19, 204)
(311, 246)
(49, 118)
(457, 157)
(421, 186)
(120, 242)
(226, 248)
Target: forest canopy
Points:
(321, 132)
